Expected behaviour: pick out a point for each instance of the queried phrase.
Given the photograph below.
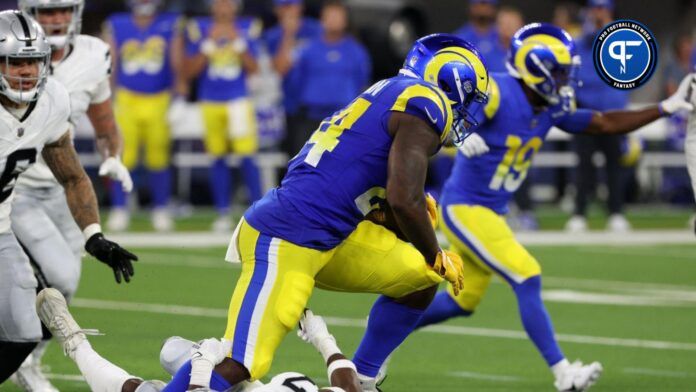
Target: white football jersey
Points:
(85, 74)
(21, 142)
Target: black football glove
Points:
(111, 254)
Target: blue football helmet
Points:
(544, 57)
(455, 67)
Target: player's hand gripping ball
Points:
(451, 268)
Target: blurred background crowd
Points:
(213, 97)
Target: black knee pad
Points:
(419, 299)
(12, 354)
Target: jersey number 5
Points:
(326, 137)
(512, 170)
(17, 162)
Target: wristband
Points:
(91, 230)
(340, 364)
(201, 372)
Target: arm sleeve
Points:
(576, 122)
(102, 91)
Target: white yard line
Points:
(483, 376)
(197, 239)
(659, 373)
(641, 299)
(360, 323)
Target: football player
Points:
(40, 216)
(536, 94)
(194, 366)
(690, 143)
(146, 50)
(221, 55)
(311, 230)
(34, 116)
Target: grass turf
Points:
(629, 278)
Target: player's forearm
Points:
(249, 63)
(107, 137)
(414, 222)
(82, 201)
(194, 66)
(343, 377)
(622, 121)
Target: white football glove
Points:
(473, 146)
(177, 111)
(113, 168)
(312, 328)
(211, 350)
(681, 99)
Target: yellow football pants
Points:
(230, 127)
(142, 119)
(487, 245)
(277, 279)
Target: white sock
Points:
(40, 350)
(101, 375)
(559, 367)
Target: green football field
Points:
(632, 308)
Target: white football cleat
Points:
(53, 312)
(368, 384)
(222, 224)
(162, 220)
(29, 377)
(576, 224)
(578, 377)
(618, 223)
(119, 220)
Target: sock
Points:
(119, 199)
(160, 187)
(13, 355)
(252, 178)
(536, 320)
(40, 350)
(101, 375)
(560, 367)
(220, 184)
(182, 378)
(388, 325)
(442, 308)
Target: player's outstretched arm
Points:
(625, 121)
(414, 143)
(341, 370)
(109, 143)
(62, 159)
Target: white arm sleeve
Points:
(101, 92)
(690, 149)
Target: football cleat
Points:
(119, 219)
(576, 224)
(29, 377)
(53, 312)
(617, 223)
(162, 220)
(578, 377)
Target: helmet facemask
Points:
(15, 87)
(59, 35)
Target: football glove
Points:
(113, 255)
(114, 169)
(450, 267)
(473, 146)
(431, 206)
(680, 99)
(211, 350)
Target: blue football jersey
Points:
(514, 132)
(224, 78)
(143, 54)
(340, 175)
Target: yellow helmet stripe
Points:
(557, 47)
(458, 54)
